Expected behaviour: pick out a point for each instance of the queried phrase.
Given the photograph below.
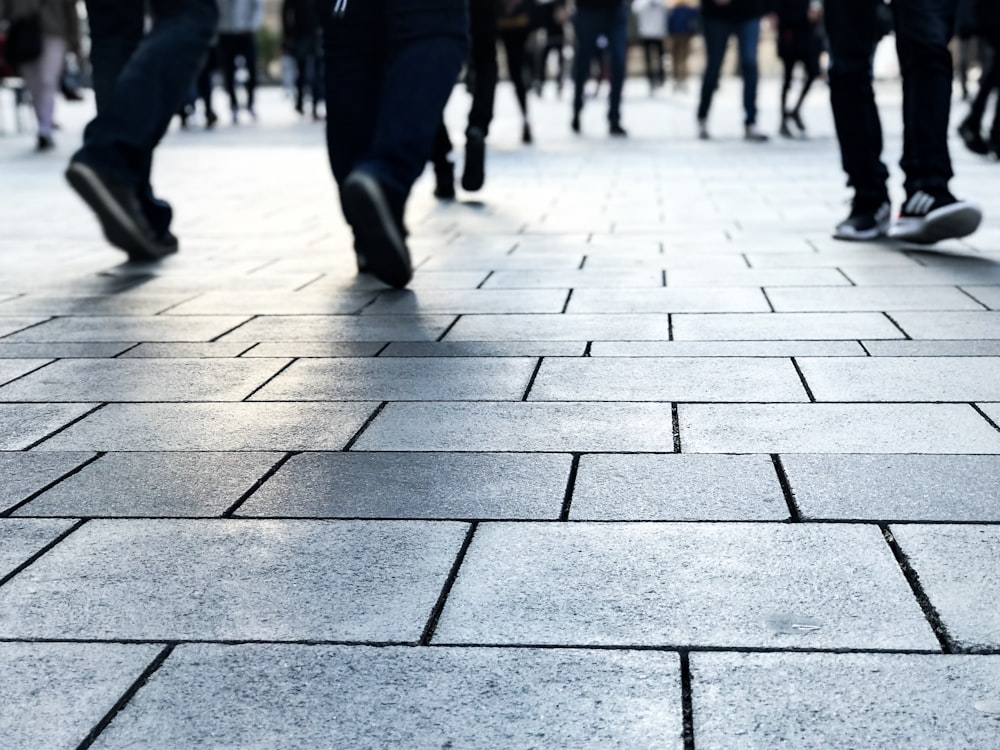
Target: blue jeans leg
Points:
(748, 37)
(716, 38)
(618, 50)
(587, 24)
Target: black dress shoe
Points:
(474, 173)
(617, 130)
(972, 138)
(378, 232)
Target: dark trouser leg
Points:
(850, 25)
(588, 28)
(716, 38)
(923, 29)
(248, 49)
(989, 81)
(617, 31)
(786, 85)
(205, 82)
(228, 52)
(483, 59)
(514, 44)
(301, 80)
(748, 37)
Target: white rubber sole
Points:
(947, 223)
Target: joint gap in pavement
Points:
(357, 435)
(248, 349)
(663, 277)
(794, 515)
(33, 325)
(864, 348)
(844, 274)
(802, 379)
(687, 703)
(127, 350)
(309, 283)
(228, 513)
(263, 385)
(915, 258)
(483, 282)
(34, 495)
(567, 502)
(235, 327)
(892, 320)
(65, 427)
(127, 696)
(30, 372)
(382, 349)
(767, 299)
(746, 260)
(930, 612)
(531, 380)
(177, 304)
(675, 419)
(670, 326)
(447, 330)
(587, 348)
(31, 560)
(583, 262)
(973, 297)
(432, 622)
(565, 306)
(368, 304)
(985, 416)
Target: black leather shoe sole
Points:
(375, 230)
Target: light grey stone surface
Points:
(313, 349)
(666, 379)
(726, 349)
(521, 426)
(134, 328)
(111, 380)
(923, 276)
(967, 348)
(179, 351)
(843, 701)
(987, 295)
(721, 585)
(835, 428)
(414, 485)
(108, 304)
(53, 694)
(401, 379)
(567, 327)
(154, 484)
(902, 378)
(22, 474)
(957, 570)
(950, 325)
(65, 350)
(234, 580)
(215, 427)
(470, 302)
(22, 538)
(310, 302)
(485, 349)
(21, 425)
(578, 279)
(992, 411)
(764, 326)
(360, 697)
(895, 487)
(864, 298)
(669, 300)
(330, 328)
(11, 324)
(677, 487)
(11, 369)
(757, 277)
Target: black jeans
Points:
(988, 83)
(590, 24)
(231, 48)
(140, 81)
(923, 29)
(717, 35)
(390, 67)
(482, 62)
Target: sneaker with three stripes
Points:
(928, 217)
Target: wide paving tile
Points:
(22, 538)
(765, 326)
(134, 328)
(907, 379)
(22, 425)
(22, 474)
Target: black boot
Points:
(444, 176)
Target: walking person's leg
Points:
(586, 24)
(483, 59)
(617, 32)
(249, 52)
(515, 45)
(971, 127)
(228, 52)
(748, 38)
(716, 38)
(41, 78)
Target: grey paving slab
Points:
(668, 300)
(835, 428)
(53, 694)
(11, 324)
(66, 350)
(234, 580)
(144, 380)
(902, 378)
(401, 379)
(865, 298)
(22, 538)
(726, 349)
(668, 262)
(766, 326)
(321, 349)
(24, 424)
(268, 303)
(850, 257)
(22, 474)
(950, 325)
(214, 427)
(957, 570)
(153, 484)
(360, 697)
(921, 275)
(485, 349)
(10, 369)
(757, 277)
(520, 426)
(330, 328)
(966, 348)
(843, 701)
(666, 379)
(895, 487)
(568, 327)
(574, 279)
(529, 261)
(414, 485)
(111, 304)
(992, 411)
(181, 351)
(987, 295)
(677, 487)
(719, 585)
(497, 301)
(135, 328)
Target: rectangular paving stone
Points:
(361, 697)
(835, 428)
(66, 350)
(11, 324)
(401, 379)
(698, 585)
(667, 261)
(950, 325)
(134, 328)
(957, 570)
(677, 487)
(22, 474)
(330, 328)
(574, 279)
(726, 349)
(765, 326)
(992, 411)
(906, 379)
(322, 349)
(987, 295)
(24, 424)
(967, 348)
(666, 379)
(895, 487)
(570, 327)
(53, 694)
(234, 580)
(757, 277)
(843, 701)
(153, 484)
(521, 426)
(667, 300)
(21, 538)
(485, 349)
(530, 261)
(243, 426)
(980, 273)
(414, 485)
(864, 298)
(268, 303)
(104, 305)
(11, 369)
(869, 255)
(201, 350)
(497, 301)
(144, 380)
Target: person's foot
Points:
(444, 181)
(526, 136)
(750, 133)
(868, 220)
(378, 233)
(931, 216)
(972, 138)
(797, 119)
(617, 131)
(995, 143)
(784, 131)
(45, 143)
(236, 115)
(574, 124)
(118, 209)
(703, 130)
(474, 173)
(210, 119)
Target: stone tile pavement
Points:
(643, 459)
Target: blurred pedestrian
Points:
(651, 25)
(301, 39)
(594, 19)
(140, 81)
(987, 27)
(683, 23)
(923, 28)
(799, 41)
(239, 21)
(552, 21)
(514, 25)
